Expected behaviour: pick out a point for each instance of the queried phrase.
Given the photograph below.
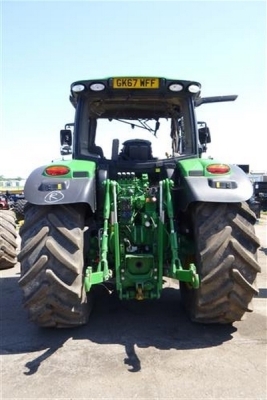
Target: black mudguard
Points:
(231, 188)
(42, 190)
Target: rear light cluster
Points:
(218, 169)
(56, 170)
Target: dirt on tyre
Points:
(52, 264)
(8, 239)
(226, 261)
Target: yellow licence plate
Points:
(135, 83)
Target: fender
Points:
(77, 187)
(196, 184)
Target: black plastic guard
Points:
(41, 190)
(233, 188)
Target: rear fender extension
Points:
(42, 190)
(232, 188)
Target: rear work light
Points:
(176, 87)
(56, 170)
(218, 168)
(194, 88)
(78, 88)
(97, 87)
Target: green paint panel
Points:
(196, 165)
(80, 168)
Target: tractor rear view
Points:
(133, 201)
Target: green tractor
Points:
(133, 203)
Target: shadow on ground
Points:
(263, 249)
(162, 324)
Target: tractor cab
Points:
(134, 119)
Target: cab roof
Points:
(146, 88)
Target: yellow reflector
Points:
(218, 168)
(55, 170)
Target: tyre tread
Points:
(51, 260)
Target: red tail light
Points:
(56, 170)
(218, 168)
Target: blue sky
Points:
(47, 45)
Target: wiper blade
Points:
(156, 128)
(143, 125)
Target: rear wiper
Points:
(156, 128)
(143, 125)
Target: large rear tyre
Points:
(8, 239)
(226, 260)
(52, 264)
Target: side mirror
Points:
(65, 142)
(204, 135)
